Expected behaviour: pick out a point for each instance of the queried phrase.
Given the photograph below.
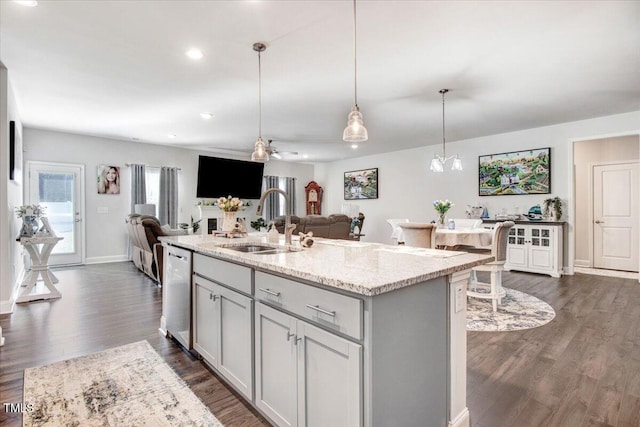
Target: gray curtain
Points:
(290, 188)
(138, 186)
(272, 203)
(138, 194)
(168, 209)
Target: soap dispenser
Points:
(273, 236)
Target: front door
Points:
(58, 188)
(615, 216)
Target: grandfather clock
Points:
(314, 198)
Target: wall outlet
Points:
(103, 210)
(461, 296)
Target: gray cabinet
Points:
(305, 376)
(222, 321)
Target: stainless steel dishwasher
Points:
(177, 293)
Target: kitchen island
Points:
(343, 333)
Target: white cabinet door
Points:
(206, 322)
(541, 248)
(234, 358)
(276, 359)
(517, 249)
(329, 379)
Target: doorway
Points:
(607, 222)
(58, 187)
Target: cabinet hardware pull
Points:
(177, 256)
(270, 292)
(599, 222)
(289, 335)
(317, 308)
(213, 296)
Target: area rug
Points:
(518, 311)
(124, 386)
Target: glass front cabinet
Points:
(535, 248)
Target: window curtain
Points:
(274, 204)
(168, 209)
(138, 186)
(138, 194)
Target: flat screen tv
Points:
(218, 177)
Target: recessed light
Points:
(305, 156)
(28, 3)
(171, 135)
(354, 146)
(206, 116)
(194, 54)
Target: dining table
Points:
(476, 237)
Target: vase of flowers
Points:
(442, 206)
(230, 206)
(29, 215)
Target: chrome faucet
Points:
(288, 227)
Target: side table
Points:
(39, 267)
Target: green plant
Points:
(556, 204)
(258, 224)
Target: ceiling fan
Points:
(273, 151)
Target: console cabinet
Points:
(535, 248)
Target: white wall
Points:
(11, 252)
(106, 233)
(407, 188)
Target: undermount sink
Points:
(259, 249)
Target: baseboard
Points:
(461, 420)
(7, 306)
(106, 259)
(582, 263)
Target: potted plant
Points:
(258, 224)
(553, 208)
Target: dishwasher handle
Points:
(180, 257)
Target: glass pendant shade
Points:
(457, 164)
(260, 153)
(436, 165)
(355, 130)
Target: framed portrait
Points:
(108, 179)
(515, 173)
(361, 184)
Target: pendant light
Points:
(260, 153)
(355, 130)
(438, 162)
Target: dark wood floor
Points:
(582, 369)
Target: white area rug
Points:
(518, 311)
(124, 386)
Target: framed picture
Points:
(108, 179)
(15, 153)
(516, 172)
(362, 184)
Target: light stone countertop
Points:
(359, 267)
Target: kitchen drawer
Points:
(226, 273)
(330, 309)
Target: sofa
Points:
(335, 226)
(147, 254)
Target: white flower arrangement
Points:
(442, 206)
(36, 210)
(230, 204)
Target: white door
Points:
(59, 188)
(615, 216)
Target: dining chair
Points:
(493, 289)
(396, 232)
(419, 234)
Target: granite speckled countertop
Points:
(359, 267)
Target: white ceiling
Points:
(118, 69)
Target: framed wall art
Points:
(361, 184)
(108, 179)
(516, 172)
